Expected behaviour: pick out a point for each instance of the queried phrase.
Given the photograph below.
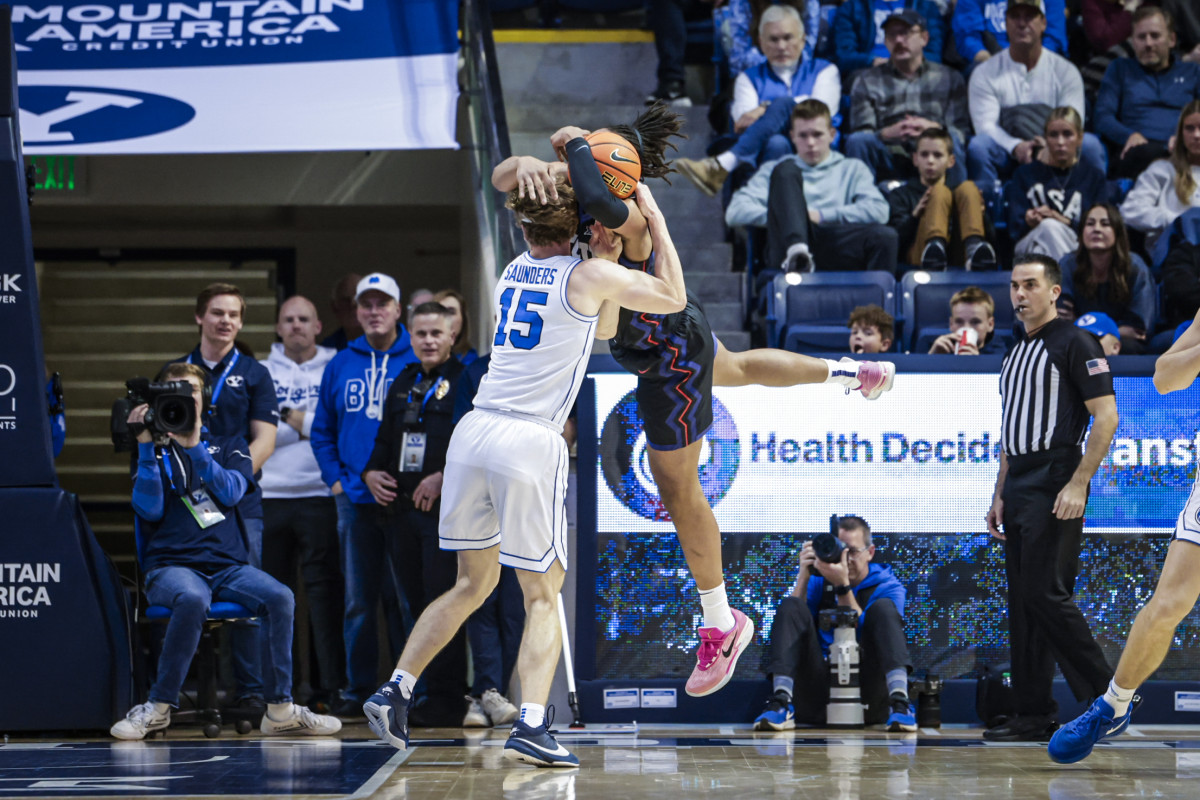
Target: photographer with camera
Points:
(186, 494)
(243, 406)
(836, 572)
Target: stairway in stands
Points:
(105, 322)
(548, 85)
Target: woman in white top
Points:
(1170, 186)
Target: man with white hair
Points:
(763, 99)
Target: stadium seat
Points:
(925, 300)
(811, 316)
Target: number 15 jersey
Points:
(541, 346)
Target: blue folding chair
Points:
(925, 300)
(811, 316)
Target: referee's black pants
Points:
(796, 651)
(1041, 559)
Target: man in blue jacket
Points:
(1139, 100)
(858, 32)
(980, 33)
(349, 409)
(193, 550)
(799, 648)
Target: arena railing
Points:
(500, 238)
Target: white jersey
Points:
(541, 347)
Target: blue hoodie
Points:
(343, 433)
(973, 17)
(887, 587)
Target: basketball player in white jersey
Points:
(1173, 599)
(504, 494)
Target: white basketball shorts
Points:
(1187, 527)
(506, 483)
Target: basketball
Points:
(619, 163)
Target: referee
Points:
(1051, 382)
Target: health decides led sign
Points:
(209, 76)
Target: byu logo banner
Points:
(213, 76)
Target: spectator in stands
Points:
(1181, 284)
(934, 217)
(460, 324)
(858, 32)
(1101, 275)
(1046, 199)
(341, 303)
(892, 103)
(970, 309)
(798, 670)
(1140, 98)
(1187, 25)
(818, 206)
(981, 30)
(418, 297)
(1107, 23)
(763, 99)
(1168, 187)
(872, 330)
(737, 25)
(343, 433)
(185, 494)
(299, 514)
(669, 24)
(1011, 97)
(1103, 327)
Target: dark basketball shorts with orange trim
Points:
(674, 365)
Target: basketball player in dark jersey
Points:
(677, 360)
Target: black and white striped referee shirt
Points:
(1045, 381)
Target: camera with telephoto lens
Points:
(171, 409)
(828, 547)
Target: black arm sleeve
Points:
(590, 190)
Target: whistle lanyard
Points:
(432, 389)
(212, 403)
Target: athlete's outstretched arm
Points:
(1179, 366)
(531, 176)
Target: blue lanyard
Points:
(428, 395)
(220, 384)
(165, 456)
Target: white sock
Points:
(279, 711)
(843, 372)
(1118, 698)
(716, 608)
(727, 160)
(533, 715)
(162, 708)
(407, 682)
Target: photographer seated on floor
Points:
(185, 494)
(837, 571)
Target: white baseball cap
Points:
(378, 282)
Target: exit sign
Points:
(58, 174)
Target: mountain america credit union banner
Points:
(218, 76)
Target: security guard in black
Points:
(404, 475)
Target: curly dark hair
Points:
(650, 134)
(547, 224)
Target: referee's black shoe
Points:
(1023, 729)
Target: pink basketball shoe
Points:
(874, 377)
(718, 655)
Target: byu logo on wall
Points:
(626, 465)
(71, 115)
